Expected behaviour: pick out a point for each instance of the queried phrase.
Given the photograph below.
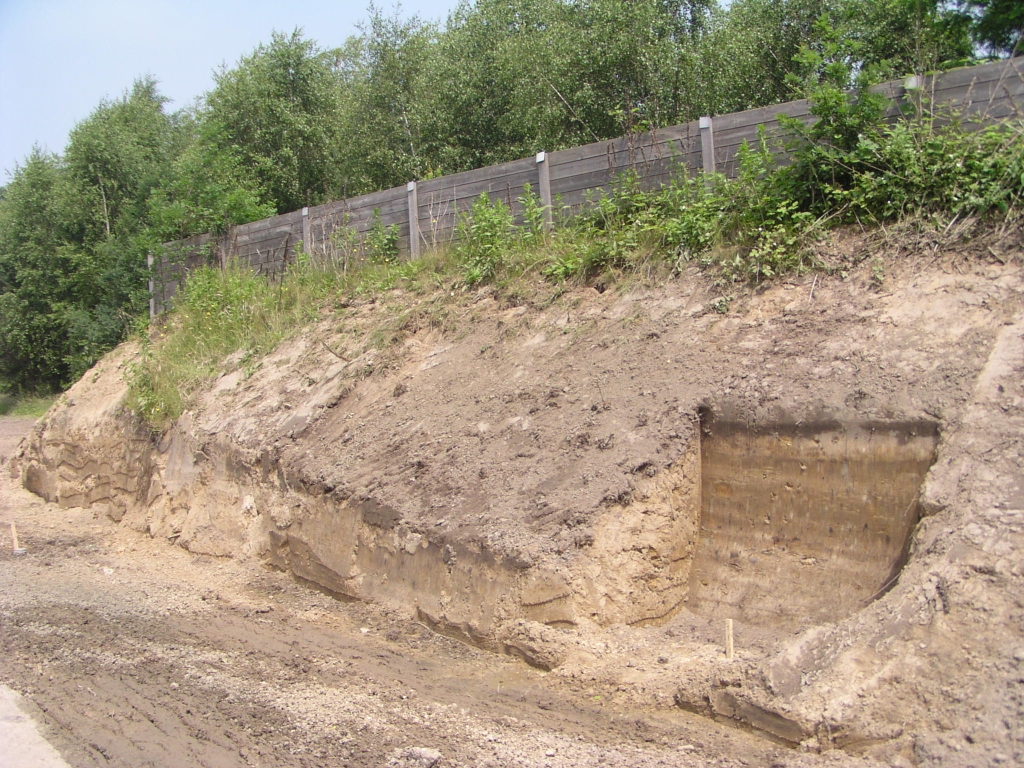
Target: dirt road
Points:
(138, 653)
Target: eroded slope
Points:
(529, 478)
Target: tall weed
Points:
(484, 237)
(217, 314)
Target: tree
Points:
(73, 240)
(511, 78)
(999, 25)
(278, 111)
(898, 37)
(114, 161)
(33, 267)
(208, 190)
(385, 73)
(486, 103)
(116, 157)
(768, 46)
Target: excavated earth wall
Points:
(842, 498)
(537, 478)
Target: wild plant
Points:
(485, 236)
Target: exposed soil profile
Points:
(134, 653)
(805, 523)
(594, 482)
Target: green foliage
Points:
(917, 168)
(209, 189)
(896, 37)
(75, 231)
(821, 148)
(998, 24)
(278, 112)
(766, 44)
(502, 80)
(381, 241)
(509, 79)
(218, 313)
(229, 319)
(485, 236)
(73, 241)
(852, 166)
(115, 158)
(342, 248)
(692, 218)
(386, 75)
(534, 217)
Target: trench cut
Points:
(803, 524)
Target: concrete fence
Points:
(426, 213)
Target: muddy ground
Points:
(138, 653)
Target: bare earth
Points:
(138, 653)
(551, 478)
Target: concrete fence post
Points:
(307, 245)
(152, 286)
(414, 221)
(544, 187)
(707, 144)
(912, 86)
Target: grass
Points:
(29, 406)
(232, 318)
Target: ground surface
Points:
(135, 652)
(524, 472)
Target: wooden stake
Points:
(728, 639)
(17, 549)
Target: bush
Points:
(381, 241)
(485, 236)
(848, 166)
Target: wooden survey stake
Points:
(17, 550)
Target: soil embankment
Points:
(131, 653)
(594, 482)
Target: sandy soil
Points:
(138, 653)
(525, 474)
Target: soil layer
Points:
(134, 653)
(526, 476)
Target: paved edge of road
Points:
(24, 746)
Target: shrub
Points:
(485, 235)
(381, 241)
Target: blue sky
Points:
(59, 58)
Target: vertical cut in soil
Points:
(805, 523)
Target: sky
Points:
(60, 58)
